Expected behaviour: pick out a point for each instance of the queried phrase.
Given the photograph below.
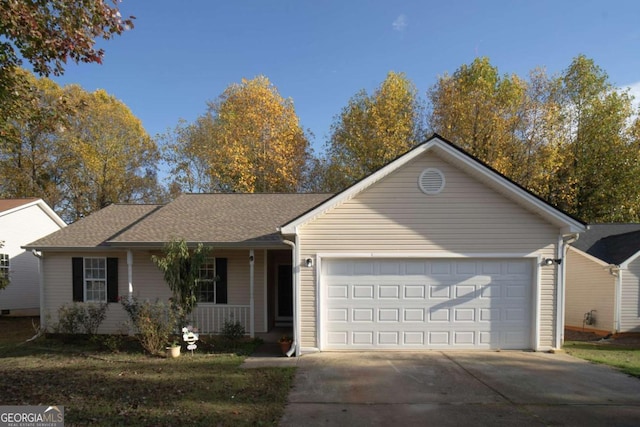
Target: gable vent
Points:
(431, 181)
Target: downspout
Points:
(296, 272)
(251, 297)
(561, 252)
(617, 272)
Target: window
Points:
(212, 282)
(4, 266)
(95, 279)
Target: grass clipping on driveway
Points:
(622, 355)
(102, 388)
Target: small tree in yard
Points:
(181, 267)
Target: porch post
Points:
(251, 298)
(130, 272)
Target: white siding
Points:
(394, 216)
(630, 301)
(19, 228)
(589, 287)
(148, 283)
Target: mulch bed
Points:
(626, 340)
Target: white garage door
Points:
(426, 304)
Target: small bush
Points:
(113, 343)
(80, 318)
(154, 323)
(233, 331)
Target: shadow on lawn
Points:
(100, 387)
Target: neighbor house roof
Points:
(10, 206)
(215, 219)
(612, 243)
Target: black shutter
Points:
(77, 275)
(112, 279)
(221, 282)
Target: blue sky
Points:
(320, 53)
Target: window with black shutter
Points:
(95, 279)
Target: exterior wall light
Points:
(551, 261)
(309, 262)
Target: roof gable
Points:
(617, 244)
(11, 206)
(462, 159)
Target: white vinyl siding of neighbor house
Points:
(148, 283)
(16, 229)
(630, 300)
(394, 216)
(589, 286)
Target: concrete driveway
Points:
(459, 388)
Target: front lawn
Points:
(98, 387)
(622, 356)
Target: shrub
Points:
(232, 331)
(154, 323)
(80, 318)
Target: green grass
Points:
(98, 387)
(626, 358)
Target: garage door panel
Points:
(440, 292)
(414, 315)
(338, 291)
(389, 292)
(464, 315)
(338, 315)
(414, 304)
(389, 315)
(414, 292)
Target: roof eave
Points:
(629, 260)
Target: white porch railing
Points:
(210, 318)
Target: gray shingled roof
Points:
(96, 229)
(240, 219)
(251, 219)
(612, 243)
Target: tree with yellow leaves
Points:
(571, 139)
(107, 154)
(249, 141)
(371, 131)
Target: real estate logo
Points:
(31, 416)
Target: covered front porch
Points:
(260, 293)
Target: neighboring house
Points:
(433, 251)
(22, 221)
(603, 279)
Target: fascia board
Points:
(570, 225)
(625, 265)
(589, 257)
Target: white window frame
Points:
(208, 262)
(4, 265)
(86, 279)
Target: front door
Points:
(284, 294)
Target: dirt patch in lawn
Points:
(631, 340)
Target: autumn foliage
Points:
(250, 140)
